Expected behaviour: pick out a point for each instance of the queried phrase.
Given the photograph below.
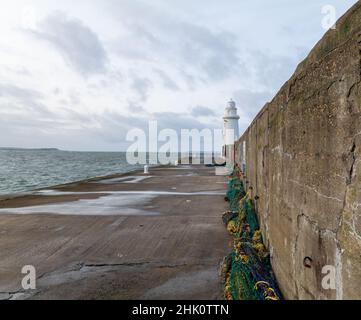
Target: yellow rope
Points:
(269, 293)
(244, 198)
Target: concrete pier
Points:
(132, 236)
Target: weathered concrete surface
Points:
(303, 161)
(168, 244)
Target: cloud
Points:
(136, 108)
(271, 70)
(13, 97)
(174, 42)
(200, 111)
(178, 121)
(19, 70)
(214, 53)
(10, 90)
(80, 47)
(167, 81)
(141, 86)
(112, 127)
(249, 103)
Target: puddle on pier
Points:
(108, 203)
(119, 204)
(128, 179)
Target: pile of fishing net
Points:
(247, 269)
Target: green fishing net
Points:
(247, 268)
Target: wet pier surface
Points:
(133, 236)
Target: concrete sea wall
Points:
(302, 160)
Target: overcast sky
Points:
(77, 75)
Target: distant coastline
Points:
(29, 149)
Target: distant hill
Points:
(30, 149)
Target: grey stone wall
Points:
(303, 162)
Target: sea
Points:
(23, 170)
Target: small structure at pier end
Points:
(230, 128)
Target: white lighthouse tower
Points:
(230, 127)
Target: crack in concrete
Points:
(348, 183)
(80, 266)
(352, 164)
(293, 82)
(315, 225)
(351, 88)
(326, 87)
(102, 265)
(353, 229)
(315, 190)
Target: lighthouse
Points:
(230, 126)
